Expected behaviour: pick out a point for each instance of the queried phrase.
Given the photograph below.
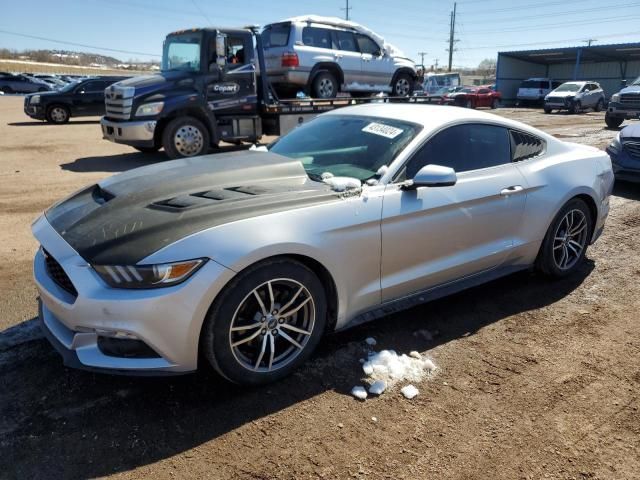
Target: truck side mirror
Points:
(221, 50)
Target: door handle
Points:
(511, 190)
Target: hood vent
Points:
(209, 197)
(101, 196)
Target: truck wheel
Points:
(324, 85)
(185, 137)
(57, 114)
(613, 122)
(599, 106)
(403, 86)
(153, 149)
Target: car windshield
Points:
(569, 87)
(346, 145)
(468, 90)
(534, 84)
(182, 52)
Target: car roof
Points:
(433, 117)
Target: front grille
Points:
(630, 99)
(118, 101)
(58, 274)
(633, 148)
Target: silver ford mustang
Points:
(247, 259)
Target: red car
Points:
(473, 97)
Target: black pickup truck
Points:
(209, 90)
(78, 99)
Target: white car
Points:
(575, 97)
(247, 259)
(533, 90)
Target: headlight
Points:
(615, 146)
(34, 99)
(148, 276)
(615, 97)
(149, 109)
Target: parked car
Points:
(474, 97)
(575, 97)
(533, 90)
(247, 259)
(79, 99)
(451, 91)
(324, 56)
(21, 84)
(624, 151)
(624, 105)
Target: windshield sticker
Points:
(382, 130)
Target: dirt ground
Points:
(536, 379)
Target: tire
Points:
(324, 86)
(575, 108)
(402, 86)
(599, 106)
(185, 137)
(468, 104)
(58, 114)
(153, 149)
(239, 334)
(613, 122)
(495, 103)
(547, 110)
(560, 254)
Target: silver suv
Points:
(323, 56)
(575, 96)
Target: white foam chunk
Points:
(378, 387)
(371, 341)
(409, 391)
(359, 392)
(389, 366)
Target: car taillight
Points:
(290, 59)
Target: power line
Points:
(64, 42)
(195, 4)
(552, 42)
(560, 25)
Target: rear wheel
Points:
(265, 323)
(613, 122)
(565, 244)
(403, 85)
(57, 114)
(324, 85)
(185, 137)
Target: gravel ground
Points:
(536, 379)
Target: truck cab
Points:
(206, 92)
(624, 105)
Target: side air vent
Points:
(525, 146)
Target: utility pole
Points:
(436, 61)
(422, 54)
(588, 41)
(346, 10)
(452, 34)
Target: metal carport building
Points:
(605, 64)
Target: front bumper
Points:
(166, 320)
(619, 110)
(134, 133)
(625, 167)
(35, 111)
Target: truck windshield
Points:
(346, 145)
(182, 52)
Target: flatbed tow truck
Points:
(210, 90)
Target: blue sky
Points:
(484, 26)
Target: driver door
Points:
(434, 235)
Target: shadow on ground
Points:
(61, 423)
(628, 190)
(36, 123)
(127, 161)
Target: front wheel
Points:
(576, 107)
(468, 104)
(565, 244)
(58, 114)
(613, 122)
(265, 323)
(599, 106)
(547, 110)
(403, 86)
(185, 137)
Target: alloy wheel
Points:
(570, 239)
(188, 140)
(402, 87)
(325, 88)
(58, 114)
(272, 325)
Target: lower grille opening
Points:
(125, 348)
(58, 275)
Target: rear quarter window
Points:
(525, 146)
(276, 35)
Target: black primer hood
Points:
(129, 216)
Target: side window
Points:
(94, 87)
(366, 45)
(463, 148)
(346, 41)
(484, 90)
(316, 37)
(525, 145)
(235, 50)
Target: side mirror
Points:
(221, 50)
(433, 176)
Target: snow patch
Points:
(409, 391)
(359, 392)
(387, 365)
(378, 387)
(258, 148)
(341, 184)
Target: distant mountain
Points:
(68, 57)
